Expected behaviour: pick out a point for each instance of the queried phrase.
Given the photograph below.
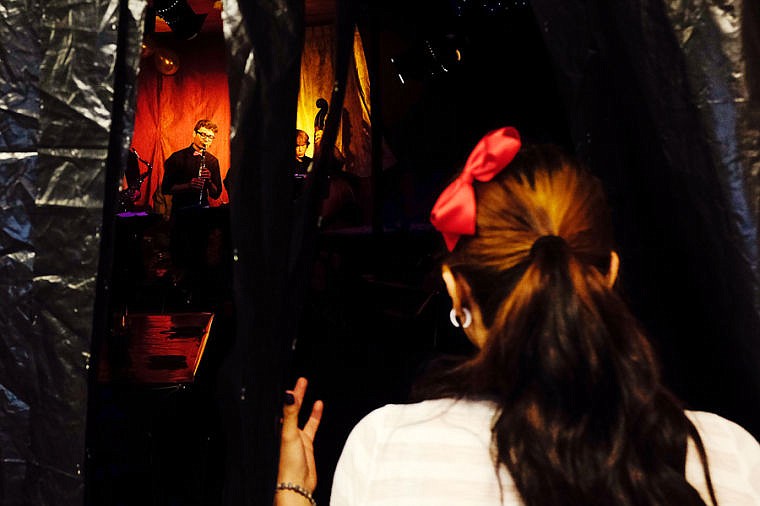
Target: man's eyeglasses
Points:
(208, 137)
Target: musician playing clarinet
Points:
(191, 176)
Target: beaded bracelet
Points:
(298, 489)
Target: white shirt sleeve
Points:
(733, 457)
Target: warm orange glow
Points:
(317, 79)
(167, 61)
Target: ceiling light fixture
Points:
(180, 17)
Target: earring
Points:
(467, 318)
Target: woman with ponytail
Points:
(563, 404)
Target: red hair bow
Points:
(453, 214)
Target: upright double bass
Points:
(319, 119)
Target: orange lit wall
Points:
(317, 80)
(169, 105)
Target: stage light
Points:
(180, 17)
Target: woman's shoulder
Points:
(714, 428)
(733, 458)
(409, 421)
(413, 413)
(402, 453)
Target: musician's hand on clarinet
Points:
(197, 183)
(205, 174)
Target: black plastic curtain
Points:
(65, 83)
(273, 235)
(264, 40)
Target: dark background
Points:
(656, 115)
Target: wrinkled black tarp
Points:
(264, 40)
(57, 94)
(274, 236)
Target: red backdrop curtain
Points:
(168, 107)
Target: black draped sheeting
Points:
(265, 41)
(273, 235)
(658, 101)
(57, 86)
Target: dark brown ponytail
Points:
(583, 417)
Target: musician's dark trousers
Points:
(188, 242)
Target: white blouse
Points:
(438, 453)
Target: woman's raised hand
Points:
(297, 448)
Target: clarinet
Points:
(200, 171)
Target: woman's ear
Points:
(451, 287)
(612, 274)
(458, 288)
